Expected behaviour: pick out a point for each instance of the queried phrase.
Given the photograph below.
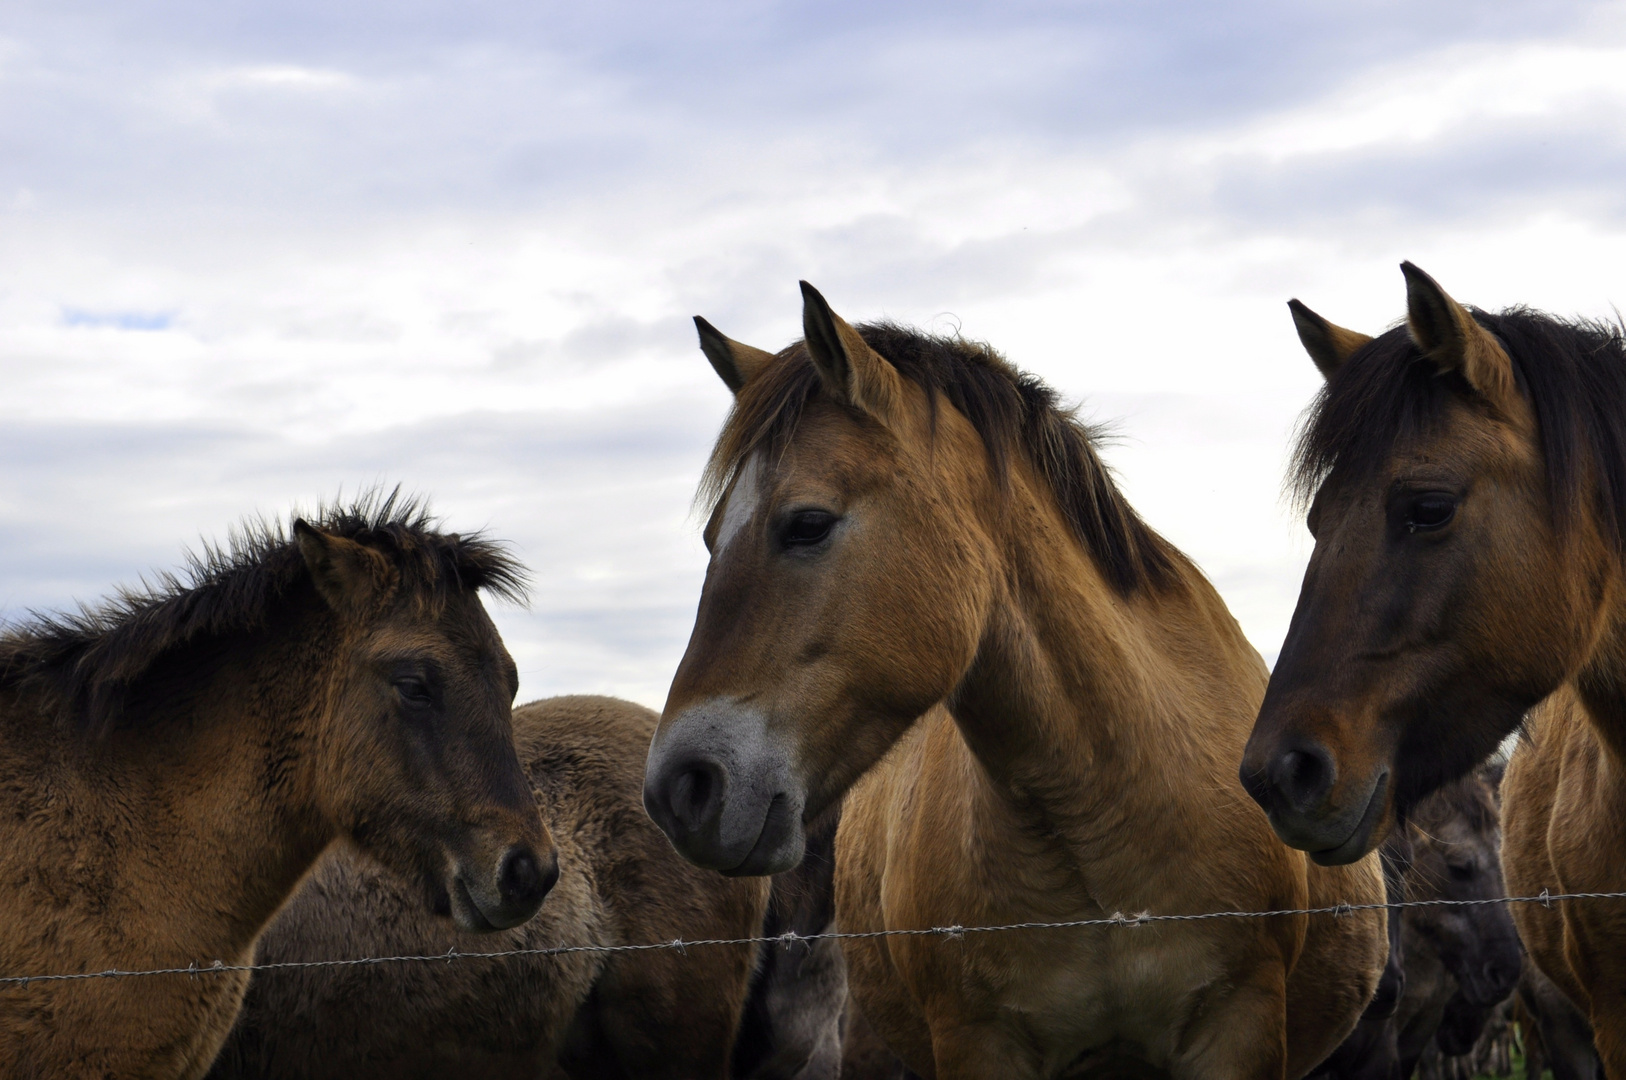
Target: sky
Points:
(254, 256)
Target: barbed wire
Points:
(790, 938)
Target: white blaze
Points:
(742, 502)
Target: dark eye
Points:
(806, 528)
(1430, 510)
(413, 690)
(1460, 871)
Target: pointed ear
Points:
(1449, 336)
(736, 364)
(1329, 345)
(850, 370)
(351, 577)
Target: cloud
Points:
(258, 253)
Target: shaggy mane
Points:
(1572, 372)
(92, 655)
(1012, 411)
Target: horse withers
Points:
(1466, 478)
(172, 763)
(926, 592)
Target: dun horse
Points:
(926, 589)
(1468, 474)
(171, 764)
(592, 1015)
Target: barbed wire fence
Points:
(791, 938)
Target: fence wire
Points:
(790, 938)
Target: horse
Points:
(926, 593)
(582, 1014)
(1466, 483)
(1461, 962)
(173, 761)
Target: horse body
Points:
(1565, 829)
(939, 540)
(1468, 481)
(1124, 809)
(171, 767)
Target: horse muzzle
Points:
(722, 790)
(1334, 823)
(500, 890)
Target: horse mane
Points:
(1010, 410)
(1572, 372)
(91, 656)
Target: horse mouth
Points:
(1360, 839)
(778, 846)
(466, 913)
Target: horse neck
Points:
(229, 773)
(1147, 692)
(1601, 682)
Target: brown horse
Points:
(591, 1015)
(1468, 473)
(926, 588)
(172, 764)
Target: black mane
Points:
(1011, 411)
(1573, 374)
(92, 655)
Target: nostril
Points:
(696, 794)
(1303, 777)
(522, 880)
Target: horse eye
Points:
(1431, 510)
(1461, 873)
(807, 528)
(413, 690)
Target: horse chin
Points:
(780, 845)
(466, 912)
(1366, 833)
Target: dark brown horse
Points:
(597, 1016)
(1461, 962)
(1468, 473)
(173, 763)
(1466, 478)
(926, 588)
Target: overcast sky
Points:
(254, 254)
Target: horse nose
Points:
(522, 881)
(694, 795)
(1502, 975)
(1302, 777)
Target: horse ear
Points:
(351, 577)
(1449, 336)
(735, 363)
(1329, 345)
(850, 370)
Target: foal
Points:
(1468, 481)
(925, 589)
(172, 763)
